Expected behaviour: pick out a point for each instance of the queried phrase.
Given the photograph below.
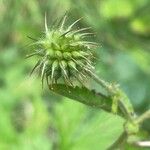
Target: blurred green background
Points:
(36, 119)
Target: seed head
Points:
(63, 54)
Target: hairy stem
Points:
(144, 116)
(114, 91)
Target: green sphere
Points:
(64, 54)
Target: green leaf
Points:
(83, 128)
(84, 95)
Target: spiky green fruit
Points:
(63, 53)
